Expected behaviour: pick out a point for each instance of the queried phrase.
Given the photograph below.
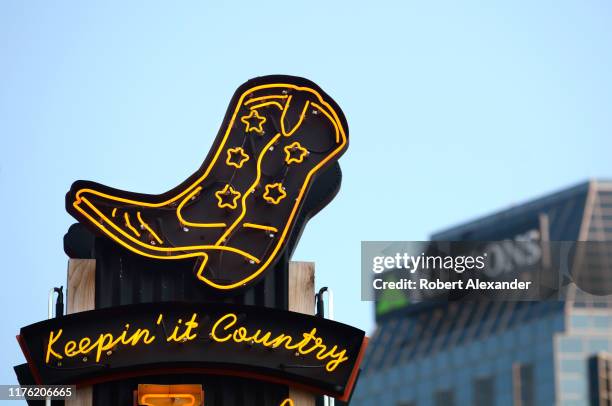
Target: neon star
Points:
(274, 193)
(228, 197)
(236, 157)
(295, 152)
(254, 122)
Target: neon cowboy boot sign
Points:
(236, 213)
(272, 166)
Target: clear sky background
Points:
(456, 109)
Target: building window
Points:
(444, 398)
(484, 391)
(600, 379)
(523, 385)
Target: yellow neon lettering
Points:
(308, 337)
(338, 359)
(223, 330)
(173, 336)
(138, 335)
(69, 348)
(121, 337)
(84, 345)
(240, 335)
(263, 339)
(233, 321)
(104, 343)
(190, 325)
(318, 343)
(52, 339)
(278, 341)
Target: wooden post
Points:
(80, 297)
(81, 292)
(302, 300)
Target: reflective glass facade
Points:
(499, 353)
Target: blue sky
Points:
(455, 109)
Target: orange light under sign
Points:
(169, 395)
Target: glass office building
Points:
(553, 352)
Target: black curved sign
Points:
(311, 352)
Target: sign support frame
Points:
(81, 296)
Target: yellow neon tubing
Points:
(287, 402)
(254, 114)
(205, 174)
(241, 334)
(272, 96)
(152, 247)
(340, 136)
(250, 190)
(243, 157)
(279, 188)
(328, 116)
(299, 123)
(260, 227)
(144, 400)
(129, 225)
(114, 212)
(225, 191)
(188, 223)
(149, 229)
(270, 103)
(295, 145)
(202, 255)
(229, 127)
